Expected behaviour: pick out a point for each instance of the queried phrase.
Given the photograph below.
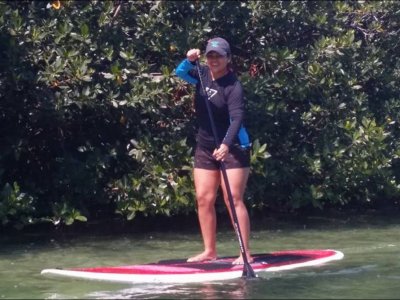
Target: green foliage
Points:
(16, 207)
(92, 116)
(308, 83)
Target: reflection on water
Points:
(237, 289)
(370, 267)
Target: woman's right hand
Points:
(193, 55)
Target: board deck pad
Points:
(180, 271)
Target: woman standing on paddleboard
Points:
(225, 96)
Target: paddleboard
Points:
(180, 271)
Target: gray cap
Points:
(218, 45)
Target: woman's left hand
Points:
(221, 152)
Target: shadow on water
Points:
(33, 239)
(140, 226)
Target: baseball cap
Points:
(218, 45)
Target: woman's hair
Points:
(231, 65)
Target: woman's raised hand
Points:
(193, 55)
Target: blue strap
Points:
(243, 138)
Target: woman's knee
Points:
(237, 200)
(205, 199)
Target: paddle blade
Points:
(248, 271)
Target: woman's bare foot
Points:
(239, 260)
(204, 256)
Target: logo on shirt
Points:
(211, 92)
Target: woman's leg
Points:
(237, 182)
(206, 185)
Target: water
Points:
(370, 268)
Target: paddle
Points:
(248, 271)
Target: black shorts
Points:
(237, 157)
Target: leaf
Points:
(108, 75)
(81, 218)
(314, 68)
(123, 55)
(69, 221)
(86, 78)
(262, 148)
(84, 30)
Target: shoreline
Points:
(333, 219)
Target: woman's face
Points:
(217, 63)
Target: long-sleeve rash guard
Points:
(227, 106)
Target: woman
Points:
(225, 94)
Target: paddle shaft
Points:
(247, 269)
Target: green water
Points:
(370, 268)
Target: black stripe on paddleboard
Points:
(226, 262)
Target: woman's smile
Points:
(217, 64)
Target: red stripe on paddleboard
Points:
(218, 266)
